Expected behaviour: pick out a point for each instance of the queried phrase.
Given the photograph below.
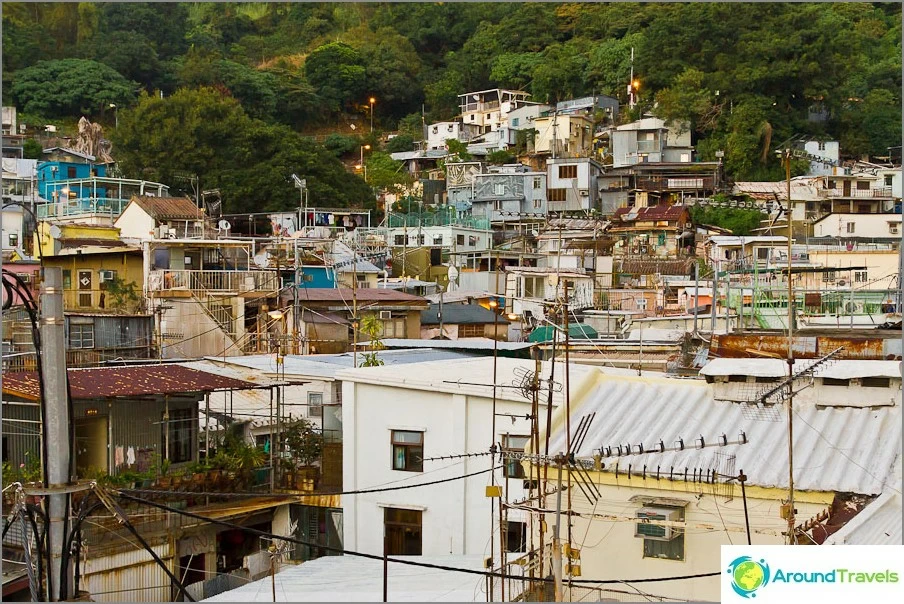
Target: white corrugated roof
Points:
(879, 523)
(835, 449)
(354, 579)
(840, 370)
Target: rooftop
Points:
(778, 368)
(355, 579)
(132, 380)
(649, 213)
(835, 449)
(461, 314)
(169, 208)
(345, 295)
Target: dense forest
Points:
(244, 94)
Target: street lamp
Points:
(115, 115)
(372, 101)
(361, 165)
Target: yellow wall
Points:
(71, 231)
(128, 267)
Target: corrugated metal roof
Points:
(169, 208)
(351, 579)
(879, 523)
(835, 449)
(840, 370)
(461, 314)
(133, 380)
(650, 213)
(344, 294)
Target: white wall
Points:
(456, 514)
(12, 224)
(135, 223)
(865, 225)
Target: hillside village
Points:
(556, 299)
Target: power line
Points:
(468, 571)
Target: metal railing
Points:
(213, 281)
(82, 205)
(874, 193)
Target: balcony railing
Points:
(213, 281)
(80, 206)
(876, 193)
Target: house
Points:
(563, 135)
(591, 106)
(572, 184)
(18, 188)
(484, 271)
(578, 243)
(529, 290)
(827, 150)
(523, 117)
(460, 321)
(663, 231)
(161, 218)
(650, 140)
(489, 109)
(878, 226)
(398, 312)
(509, 193)
(675, 182)
(210, 297)
(144, 419)
(398, 424)
(659, 441)
(439, 132)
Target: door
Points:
(85, 295)
(846, 188)
(402, 532)
(91, 445)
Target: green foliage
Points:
(123, 297)
(303, 441)
(738, 221)
(383, 172)
(340, 145)
(337, 71)
(32, 149)
(500, 157)
(70, 87)
(400, 143)
(687, 101)
(458, 149)
(372, 327)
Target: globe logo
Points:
(748, 575)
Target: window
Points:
(835, 382)
(828, 276)
(394, 328)
(822, 146)
(661, 541)
(831, 184)
(875, 382)
(762, 253)
(70, 172)
(889, 180)
(13, 239)
(81, 336)
(497, 205)
(437, 240)
(555, 194)
(569, 171)
(67, 279)
(514, 122)
(533, 287)
(642, 304)
(851, 226)
(420, 239)
(764, 379)
(400, 239)
(538, 203)
(407, 451)
(863, 185)
(513, 444)
(460, 239)
(515, 537)
(538, 183)
(106, 277)
(894, 228)
(470, 331)
(402, 530)
(738, 378)
(179, 432)
(315, 404)
(499, 188)
(860, 276)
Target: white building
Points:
(650, 140)
(870, 226)
(572, 184)
(659, 513)
(829, 150)
(146, 218)
(451, 238)
(532, 289)
(440, 132)
(523, 117)
(399, 422)
(489, 109)
(565, 135)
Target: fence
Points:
(213, 281)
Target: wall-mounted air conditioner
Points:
(385, 315)
(584, 192)
(657, 532)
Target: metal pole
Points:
(56, 424)
(556, 543)
(272, 443)
(791, 538)
(742, 478)
(355, 307)
(385, 576)
(696, 292)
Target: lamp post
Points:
(115, 115)
(372, 101)
(361, 165)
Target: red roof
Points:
(650, 213)
(345, 294)
(169, 208)
(133, 380)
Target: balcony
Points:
(212, 281)
(875, 193)
(93, 196)
(82, 206)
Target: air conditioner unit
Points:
(853, 308)
(171, 233)
(106, 275)
(657, 532)
(385, 315)
(893, 230)
(161, 232)
(584, 192)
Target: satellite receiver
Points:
(553, 280)
(262, 260)
(224, 225)
(55, 231)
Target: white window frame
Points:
(315, 404)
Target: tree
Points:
(688, 101)
(500, 157)
(738, 221)
(400, 143)
(383, 172)
(337, 72)
(372, 327)
(132, 55)
(70, 87)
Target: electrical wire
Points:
(470, 571)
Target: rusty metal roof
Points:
(650, 213)
(169, 208)
(133, 380)
(324, 294)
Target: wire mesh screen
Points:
(724, 465)
(762, 412)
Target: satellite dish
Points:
(553, 280)
(55, 231)
(262, 260)
(224, 225)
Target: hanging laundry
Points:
(130, 456)
(118, 457)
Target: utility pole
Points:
(354, 307)
(792, 540)
(57, 425)
(556, 542)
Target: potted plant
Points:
(164, 480)
(305, 446)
